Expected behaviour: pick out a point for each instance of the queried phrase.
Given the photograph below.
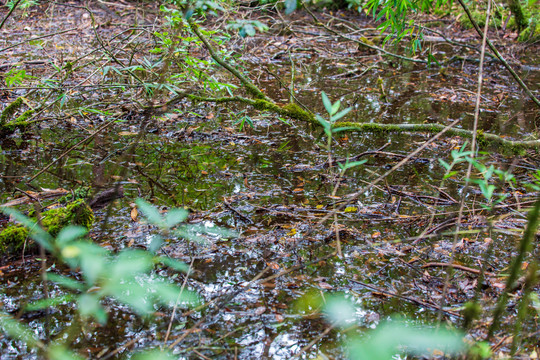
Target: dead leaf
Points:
(134, 214)
(269, 285)
(326, 286)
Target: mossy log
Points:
(13, 237)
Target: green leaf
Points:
(340, 311)
(70, 234)
(89, 305)
(450, 174)
(150, 212)
(175, 216)
(341, 114)
(45, 303)
(130, 263)
(173, 263)
(290, 6)
(249, 30)
(326, 102)
(335, 108)
(444, 164)
(396, 337)
(92, 261)
(155, 243)
(65, 281)
(349, 165)
(154, 355)
(18, 331)
(324, 123)
(132, 293)
(58, 352)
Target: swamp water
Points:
(267, 184)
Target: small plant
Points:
(24, 4)
(487, 175)
(17, 77)
(333, 116)
(126, 277)
(243, 120)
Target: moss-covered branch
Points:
(250, 87)
(484, 139)
(261, 101)
(290, 110)
(8, 125)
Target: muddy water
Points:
(271, 176)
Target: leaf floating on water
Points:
(350, 209)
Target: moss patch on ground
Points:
(13, 237)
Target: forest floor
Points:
(382, 234)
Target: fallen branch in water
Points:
(484, 139)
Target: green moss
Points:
(76, 213)
(532, 32)
(10, 110)
(481, 138)
(12, 238)
(291, 110)
(22, 120)
(261, 104)
(296, 112)
(369, 127)
(79, 193)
